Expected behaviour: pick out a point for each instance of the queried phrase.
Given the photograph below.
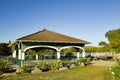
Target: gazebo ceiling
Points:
(51, 36)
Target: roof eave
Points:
(12, 44)
(54, 41)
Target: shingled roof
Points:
(51, 36)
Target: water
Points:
(98, 54)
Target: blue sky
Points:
(84, 19)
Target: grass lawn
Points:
(77, 73)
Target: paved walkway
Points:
(103, 63)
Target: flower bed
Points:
(54, 65)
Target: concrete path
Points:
(103, 63)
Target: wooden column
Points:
(36, 56)
(22, 56)
(19, 54)
(14, 54)
(78, 55)
(83, 54)
(58, 54)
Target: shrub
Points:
(56, 64)
(59, 64)
(1, 72)
(8, 58)
(116, 70)
(76, 62)
(85, 61)
(44, 66)
(65, 63)
(53, 65)
(3, 66)
(26, 68)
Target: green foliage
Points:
(8, 58)
(32, 52)
(4, 49)
(84, 60)
(46, 51)
(41, 51)
(116, 70)
(55, 64)
(68, 50)
(114, 39)
(90, 49)
(43, 66)
(3, 66)
(102, 43)
(68, 63)
(30, 57)
(76, 62)
(114, 43)
(46, 66)
(65, 63)
(105, 48)
(26, 68)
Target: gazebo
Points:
(45, 39)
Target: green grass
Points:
(78, 73)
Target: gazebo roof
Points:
(51, 36)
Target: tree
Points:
(40, 51)
(105, 47)
(91, 49)
(102, 43)
(114, 39)
(4, 49)
(30, 52)
(68, 50)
